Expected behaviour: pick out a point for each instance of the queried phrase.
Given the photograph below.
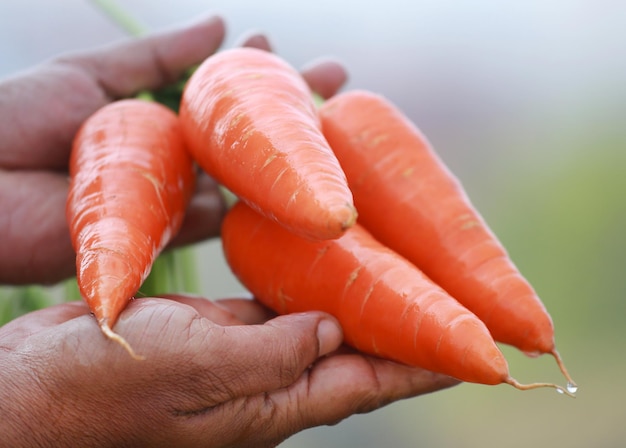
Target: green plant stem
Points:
(7, 308)
(145, 95)
(71, 290)
(185, 260)
(120, 17)
(158, 281)
(33, 297)
(317, 99)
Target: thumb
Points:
(245, 360)
(230, 362)
(154, 61)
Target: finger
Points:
(204, 213)
(42, 109)
(154, 61)
(270, 356)
(254, 39)
(17, 330)
(228, 361)
(325, 76)
(335, 388)
(248, 310)
(208, 309)
(35, 244)
(360, 384)
(66, 91)
(230, 311)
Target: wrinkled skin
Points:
(215, 374)
(208, 380)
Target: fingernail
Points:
(329, 336)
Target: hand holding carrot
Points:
(207, 379)
(44, 107)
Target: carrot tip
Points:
(120, 340)
(571, 384)
(351, 218)
(570, 390)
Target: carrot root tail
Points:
(120, 340)
(562, 390)
(571, 384)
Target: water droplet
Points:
(559, 390)
(572, 388)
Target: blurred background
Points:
(526, 102)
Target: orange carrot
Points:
(409, 200)
(131, 179)
(250, 122)
(385, 305)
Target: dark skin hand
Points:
(215, 374)
(42, 110)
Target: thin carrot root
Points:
(120, 340)
(571, 384)
(565, 391)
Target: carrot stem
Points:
(317, 99)
(7, 309)
(34, 298)
(228, 196)
(184, 264)
(158, 281)
(145, 95)
(71, 290)
(120, 17)
(172, 271)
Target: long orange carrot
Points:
(412, 203)
(250, 122)
(385, 305)
(131, 179)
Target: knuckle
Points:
(266, 425)
(370, 396)
(294, 362)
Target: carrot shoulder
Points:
(412, 203)
(385, 305)
(250, 122)
(131, 179)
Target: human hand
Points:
(207, 380)
(43, 108)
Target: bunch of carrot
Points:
(418, 278)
